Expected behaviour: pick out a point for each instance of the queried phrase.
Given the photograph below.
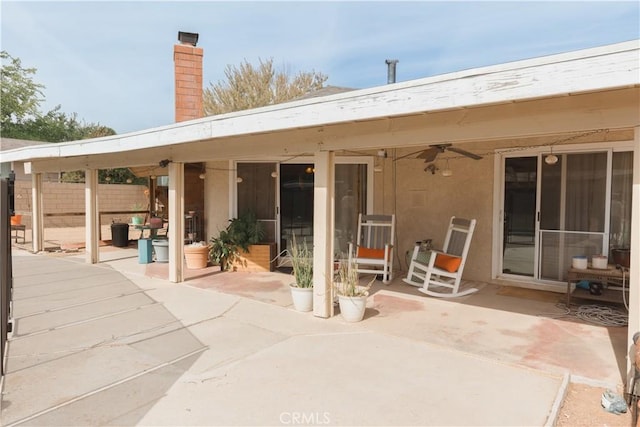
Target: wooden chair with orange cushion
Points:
(443, 273)
(373, 250)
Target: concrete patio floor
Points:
(117, 344)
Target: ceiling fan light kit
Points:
(447, 171)
(431, 168)
(551, 159)
(429, 155)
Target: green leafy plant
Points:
(224, 250)
(302, 261)
(241, 233)
(245, 230)
(348, 283)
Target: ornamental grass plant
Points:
(348, 280)
(302, 261)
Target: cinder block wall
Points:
(68, 198)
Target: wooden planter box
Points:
(258, 258)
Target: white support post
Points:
(176, 221)
(634, 268)
(37, 214)
(323, 230)
(91, 216)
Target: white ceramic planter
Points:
(161, 248)
(599, 262)
(302, 298)
(352, 308)
(579, 262)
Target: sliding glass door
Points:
(573, 208)
(580, 205)
(296, 203)
(256, 193)
(351, 200)
(281, 196)
(519, 236)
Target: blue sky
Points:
(112, 62)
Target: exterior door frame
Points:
(233, 175)
(498, 203)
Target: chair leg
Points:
(427, 278)
(385, 277)
(412, 264)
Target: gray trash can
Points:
(120, 235)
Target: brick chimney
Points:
(187, 60)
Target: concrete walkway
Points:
(96, 346)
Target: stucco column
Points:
(91, 216)
(176, 221)
(634, 269)
(323, 225)
(37, 213)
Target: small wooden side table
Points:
(19, 228)
(615, 283)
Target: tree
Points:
(20, 115)
(21, 118)
(250, 87)
(55, 126)
(21, 96)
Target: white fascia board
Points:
(598, 69)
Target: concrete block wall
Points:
(69, 198)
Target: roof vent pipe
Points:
(391, 70)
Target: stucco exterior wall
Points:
(216, 204)
(425, 203)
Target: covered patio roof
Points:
(577, 91)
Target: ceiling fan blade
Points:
(429, 154)
(464, 153)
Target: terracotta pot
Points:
(196, 256)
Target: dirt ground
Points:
(582, 408)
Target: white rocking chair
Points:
(445, 267)
(374, 246)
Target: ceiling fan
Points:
(429, 155)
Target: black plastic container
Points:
(120, 235)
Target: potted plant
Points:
(196, 255)
(302, 288)
(246, 230)
(239, 234)
(254, 254)
(352, 297)
(137, 219)
(223, 250)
